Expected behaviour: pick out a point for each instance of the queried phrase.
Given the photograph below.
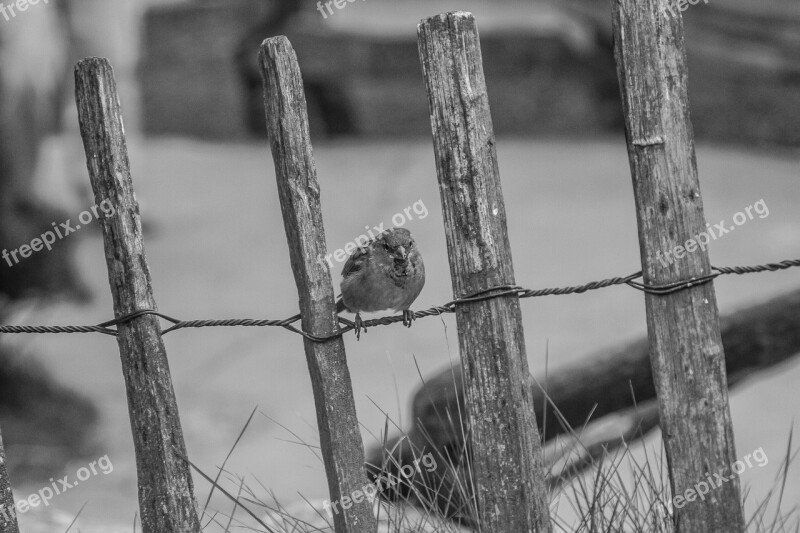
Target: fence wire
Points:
(450, 307)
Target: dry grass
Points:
(617, 493)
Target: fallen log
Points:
(609, 382)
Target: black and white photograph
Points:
(399, 266)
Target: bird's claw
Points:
(408, 318)
(359, 325)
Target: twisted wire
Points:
(450, 307)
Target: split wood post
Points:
(298, 189)
(508, 463)
(166, 492)
(686, 350)
(8, 511)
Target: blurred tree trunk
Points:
(38, 48)
(33, 56)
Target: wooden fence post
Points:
(8, 511)
(166, 492)
(296, 174)
(686, 350)
(507, 456)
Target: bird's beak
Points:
(402, 252)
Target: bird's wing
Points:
(355, 262)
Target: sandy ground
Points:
(217, 249)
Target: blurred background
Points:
(191, 99)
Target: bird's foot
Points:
(359, 325)
(408, 317)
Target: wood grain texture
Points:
(298, 189)
(166, 492)
(507, 462)
(685, 345)
(8, 511)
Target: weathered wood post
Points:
(8, 511)
(686, 350)
(508, 463)
(296, 174)
(166, 492)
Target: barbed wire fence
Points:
(449, 307)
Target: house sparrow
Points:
(385, 273)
